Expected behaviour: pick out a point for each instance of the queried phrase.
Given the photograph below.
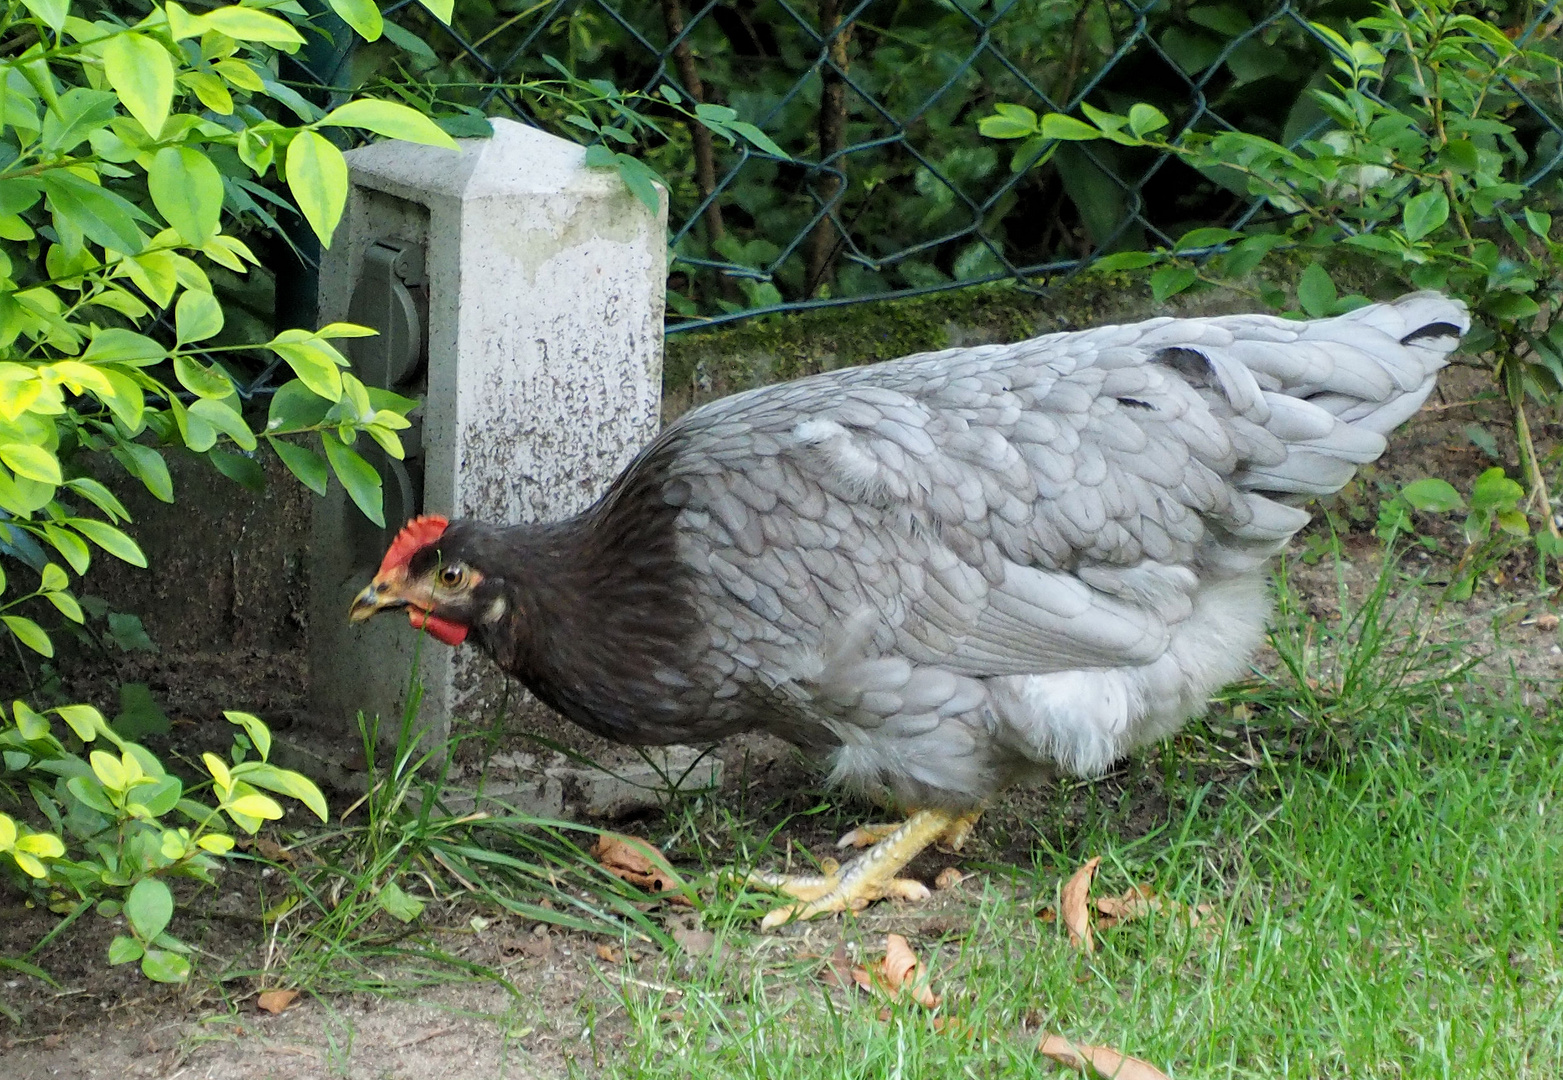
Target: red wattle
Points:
(451, 633)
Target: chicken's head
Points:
(426, 571)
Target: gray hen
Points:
(946, 573)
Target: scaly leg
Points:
(869, 877)
(952, 840)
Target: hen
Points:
(943, 574)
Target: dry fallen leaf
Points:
(1137, 903)
(274, 1001)
(949, 877)
(1098, 1060)
(608, 954)
(1548, 621)
(636, 861)
(901, 969)
(1075, 907)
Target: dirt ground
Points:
(104, 1022)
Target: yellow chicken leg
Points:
(952, 840)
(869, 877)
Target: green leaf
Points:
(296, 406)
(102, 216)
(1494, 490)
(1171, 280)
(1068, 129)
(196, 377)
(1204, 238)
(52, 12)
(110, 540)
(1424, 213)
(259, 734)
(223, 417)
(1125, 260)
(362, 15)
(308, 466)
(247, 24)
(139, 715)
(357, 476)
(317, 177)
(1144, 119)
(142, 74)
(148, 465)
(77, 115)
(759, 139)
(99, 496)
(123, 949)
(187, 190)
(84, 720)
(124, 346)
(440, 9)
(1540, 223)
(398, 904)
(30, 724)
(389, 119)
(1316, 292)
(284, 781)
(242, 470)
(1510, 306)
(317, 364)
(1433, 495)
(149, 906)
(162, 966)
(90, 794)
(33, 462)
(1008, 121)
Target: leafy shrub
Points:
(114, 806)
(1421, 171)
(132, 157)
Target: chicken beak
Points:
(377, 597)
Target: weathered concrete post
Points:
(540, 284)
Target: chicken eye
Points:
(453, 576)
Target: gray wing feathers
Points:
(1045, 506)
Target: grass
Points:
(1375, 828)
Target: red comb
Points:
(416, 535)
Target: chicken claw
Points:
(869, 877)
(951, 840)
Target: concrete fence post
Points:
(520, 296)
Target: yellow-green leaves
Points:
(27, 848)
(52, 12)
(142, 74)
(317, 364)
(440, 9)
(389, 119)
(317, 177)
(239, 23)
(197, 317)
(187, 190)
(361, 15)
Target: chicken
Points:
(945, 574)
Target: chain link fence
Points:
(886, 187)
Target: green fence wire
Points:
(886, 187)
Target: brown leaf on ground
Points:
(949, 877)
(1137, 903)
(1075, 905)
(1099, 1061)
(636, 861)
(274, 1001)
(901, 970)
(267, 849)
(609, 954)
(1548, 621)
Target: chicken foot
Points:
(869, 877)
(951, 840)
